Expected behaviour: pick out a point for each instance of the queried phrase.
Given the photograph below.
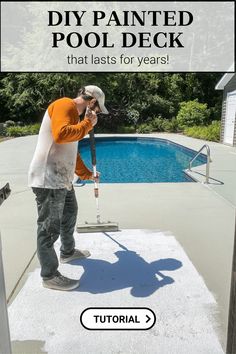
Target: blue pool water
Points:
(140, 160)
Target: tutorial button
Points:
(118, 318)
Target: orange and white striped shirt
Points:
(56, 157)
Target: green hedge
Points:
(126, 129)
(144, 128)
(23, 131)
(158, 124)
(210, 132)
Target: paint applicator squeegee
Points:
(97, 226)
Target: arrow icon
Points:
(148, 318)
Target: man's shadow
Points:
(129, 271)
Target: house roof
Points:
(223, 81)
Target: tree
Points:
(25, 96)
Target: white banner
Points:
(171, 36)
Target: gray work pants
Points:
(57, 214)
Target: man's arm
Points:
(81, 170)
(63, 116)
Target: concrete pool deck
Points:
(201, 217)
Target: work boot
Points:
(78, 254)
(59, 282)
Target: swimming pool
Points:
(140, 160)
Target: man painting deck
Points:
(51, 173)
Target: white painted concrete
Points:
(154, 272)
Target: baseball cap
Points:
(97, 93)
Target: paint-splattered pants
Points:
(57, 214)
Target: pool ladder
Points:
(208, 161)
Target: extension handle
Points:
(95, 183)
(92, 148)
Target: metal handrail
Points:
(208, 161)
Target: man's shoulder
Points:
(62, 101)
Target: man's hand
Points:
(96, 179)
(91, 115)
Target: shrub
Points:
(210, 132)
(160, 124)
(157, 104)
(9, 123)
(170, 126)
(192, 113)
(145, 128)
(2, 129)
(157, 124)
(23, 131)
(126, 129)
(133, 116)
(20, 123)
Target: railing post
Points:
(207, 169)
(207, 164)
